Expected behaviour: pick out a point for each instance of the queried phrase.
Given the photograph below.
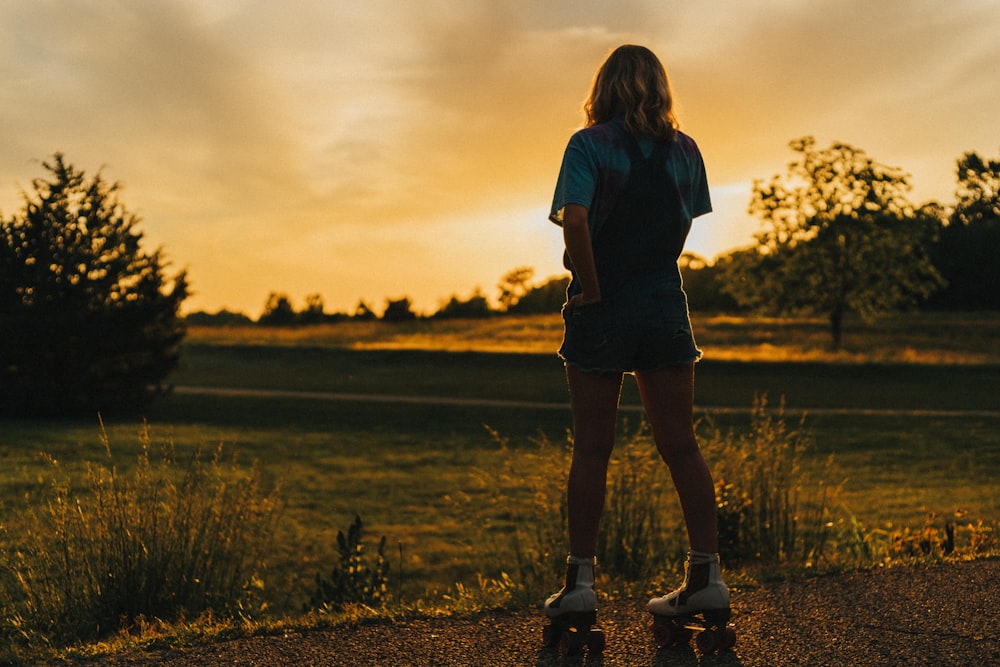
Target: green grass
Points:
(439, 486)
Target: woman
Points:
(629, 186)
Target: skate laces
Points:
(697, 576)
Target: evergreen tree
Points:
(88, 319)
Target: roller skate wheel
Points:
(709, 641)
(596, 640)
(728, 639)
(571, 642)
(669, 633)
(551, 635)
(662, 634)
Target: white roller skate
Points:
(700, 605)
(572, 612)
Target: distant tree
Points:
(278, 311)
(476, 306)
(222, 318)
(840, 236)
(398, 310)
(315, 311)
(966, 253)
(88, 319)
(364, 312)
(704, 285)
(514, 286)
(545, 298)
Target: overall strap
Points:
(660, 150)
(636, 236)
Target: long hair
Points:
(633, 82)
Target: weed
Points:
(353, 579)
(770, 511)
(936, 540)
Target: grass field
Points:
(919, 439)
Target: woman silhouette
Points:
(629, 187)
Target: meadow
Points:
(344, 419)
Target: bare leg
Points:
(594, 398)
(668, 398)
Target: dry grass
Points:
(538, 333)
(918, 338)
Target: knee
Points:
(591, 455)
(679, 450)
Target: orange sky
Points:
(376, 149)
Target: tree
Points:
(315, 311)
(514, 286)
(398, 310)
(545, 298)
(220, 318)
(278, 311)
(364, 312)
(475, 307)
(88, 319)
(966, 251)
(839, 236)
(703, 284)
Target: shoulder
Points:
(687, 145)
(601, 147)
(602, 136)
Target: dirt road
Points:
(938, 615)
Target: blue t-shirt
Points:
(595, 174)
(595, 169)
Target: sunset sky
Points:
(376, 149)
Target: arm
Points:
(576, 234)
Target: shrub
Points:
(163, 541)
(353, 579)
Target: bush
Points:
(164, 541)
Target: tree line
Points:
(516, 295)
(90, 319)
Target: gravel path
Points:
(938, 615)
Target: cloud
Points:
(344, 147)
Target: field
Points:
(433, 431)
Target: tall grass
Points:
(770, 509)
(165, 540)
(522, 531)
(641, 532)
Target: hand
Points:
(581, 300)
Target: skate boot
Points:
(572, 612)
(700, 605)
